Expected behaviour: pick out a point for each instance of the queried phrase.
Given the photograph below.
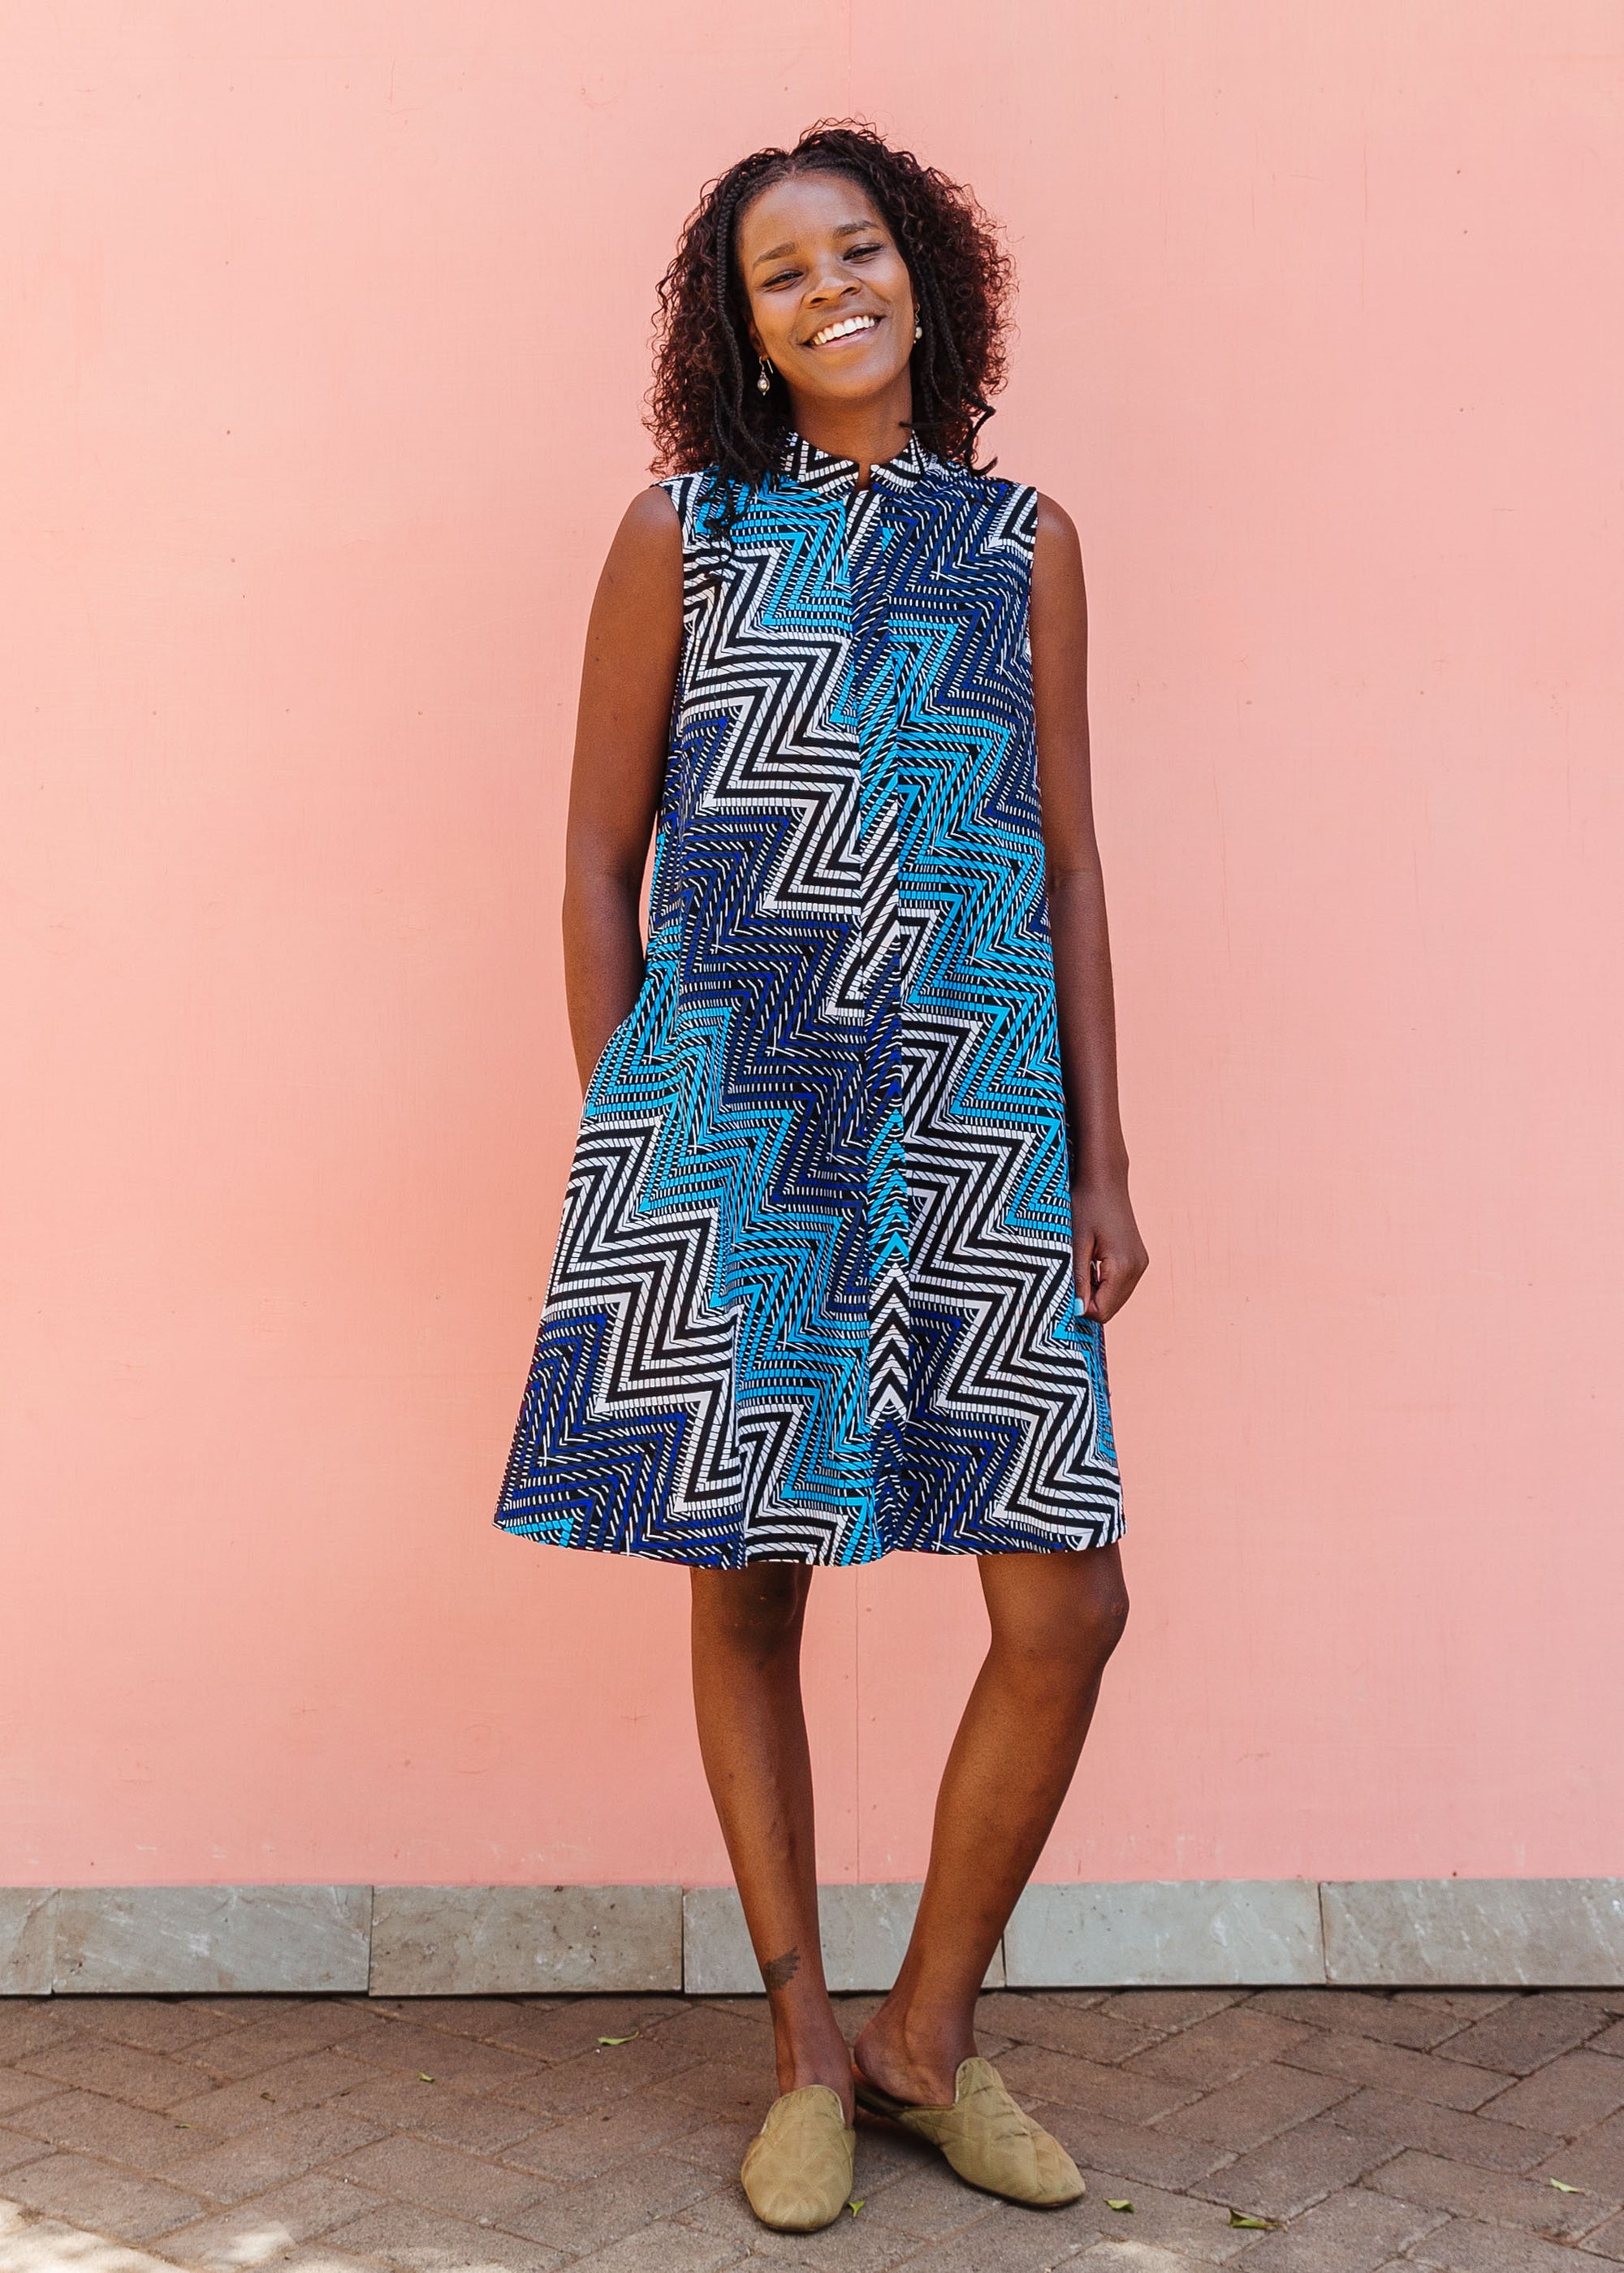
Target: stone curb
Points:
(437, 1942)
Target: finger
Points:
(1114, 1277)
(1085, 1266)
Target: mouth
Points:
(848, 327)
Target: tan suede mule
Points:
(798, 2169)
(987, 2139)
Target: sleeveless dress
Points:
(812, 1297)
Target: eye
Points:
(860, 251)
(786, 276)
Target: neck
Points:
(869, 431)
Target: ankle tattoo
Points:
(779, 1972)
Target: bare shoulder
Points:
(1057, 556)
(649, 526)
(644, 566)
(1057, 531)
(1053, 520)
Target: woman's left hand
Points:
(1110, 1254)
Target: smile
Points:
(846, 328)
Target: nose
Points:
(829, 283)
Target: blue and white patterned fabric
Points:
(813, 1298)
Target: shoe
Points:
(796, 2169)
(987, 2139)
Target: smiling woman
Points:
(732, 320)
(850, 1201)
(860, 361)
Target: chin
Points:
(853, 386)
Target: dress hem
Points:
(643, 1553)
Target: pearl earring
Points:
(764, 381)
(918, 329)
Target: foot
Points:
(922, 2074)
(797, 2171)
(993, 2144)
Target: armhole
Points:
(1021, 536)
(1020, 520)
(687, 493)
(683, 490)
(674, 485)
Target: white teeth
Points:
(839, 330)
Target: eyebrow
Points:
(846, 229)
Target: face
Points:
(818, 261)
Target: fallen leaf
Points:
(854, 2207)
(1263, 2224)
(423, 2076)
(1117, 2205)
(189, 2126)
(619, 2040)
(1562, 2189)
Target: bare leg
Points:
(752, 1738)
(1056, 1619)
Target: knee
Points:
(1076, 1633)
(1108, 1618)
(1098, 1623)
(756, 1612)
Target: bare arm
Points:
(1110, 1256)
(633, 647)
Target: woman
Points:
(850, 1201)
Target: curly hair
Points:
(704, 411)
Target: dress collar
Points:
(830, 476)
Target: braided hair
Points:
(704, 408)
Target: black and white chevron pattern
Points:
(812, 1297)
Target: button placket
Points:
(886, 1211)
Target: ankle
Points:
(915, 2052)
(809, 2048)
(831, 2064)
(813, 2067)
(925, 2026)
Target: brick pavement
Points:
(506, 2136)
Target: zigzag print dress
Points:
(812, 1295)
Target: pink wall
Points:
(323, 345)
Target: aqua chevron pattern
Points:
(812, 1295)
